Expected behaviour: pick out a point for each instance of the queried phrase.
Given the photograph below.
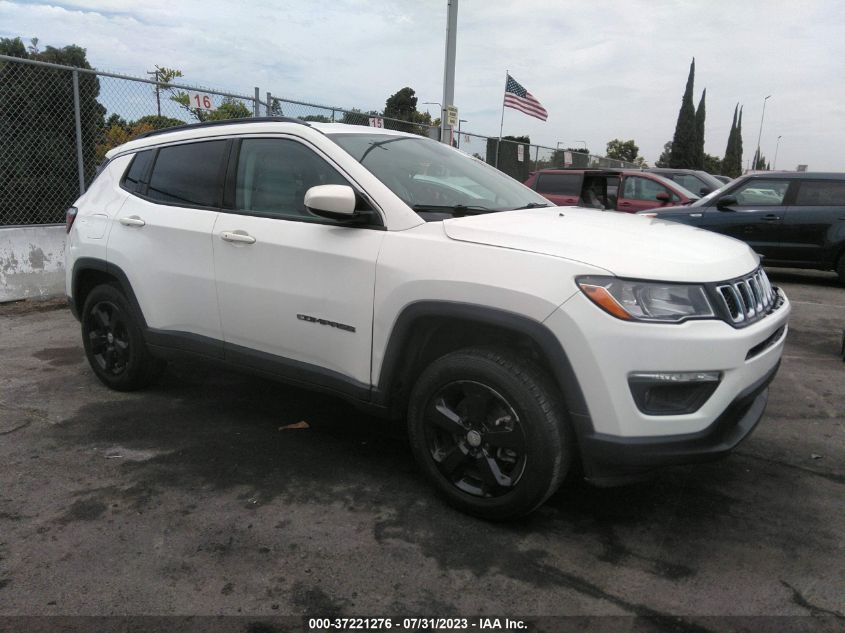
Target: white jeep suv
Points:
(518, 340)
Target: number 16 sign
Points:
(200, 100)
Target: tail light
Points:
(70, 216)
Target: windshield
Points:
(431, 177)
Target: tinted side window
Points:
(138, 169)
(560, 184)
(274, 174)
(188, 174)
(821, 193)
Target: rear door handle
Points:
(771, 218)
(239, 237)
(624, 204)
(132, 220)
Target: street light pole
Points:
(777, 146)
(449, 67)
(760, 134)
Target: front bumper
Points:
(610, 460)
(615, 436)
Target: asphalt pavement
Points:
(192, 498)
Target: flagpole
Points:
(502, 124)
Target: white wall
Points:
(32, 262)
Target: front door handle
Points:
(132, 220)
(624, 204)
(239, 237)
(771, 218)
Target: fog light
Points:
(672, 393)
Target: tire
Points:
(456, 408)
(113, 342)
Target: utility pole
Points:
(158, 96)
(449, 67)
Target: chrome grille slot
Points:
(749, 298)
(744, 292)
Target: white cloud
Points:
(602, 69)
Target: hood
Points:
(626, 245)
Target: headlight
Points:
(660, 302)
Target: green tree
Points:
(683, 142)
(38, 165)
(730, 149)
(700, 115)
(316, 118)
(666, 156)
(622, 150)
(759, 163)
(401, 105)
(712, 164)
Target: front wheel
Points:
(488, 430)
(113, 342)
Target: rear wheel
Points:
(114, 344)
(488, 430)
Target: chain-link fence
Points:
(57, 123)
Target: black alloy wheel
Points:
(475, 437)
(108, 337)
(114, 342)
(488, 428)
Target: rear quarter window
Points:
(559, 184)
(133, 181)
(821, 193)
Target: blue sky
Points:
(603, 70)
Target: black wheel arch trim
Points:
(548, 343)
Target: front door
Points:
(295, 290)
(756, 219)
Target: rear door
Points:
(161, 238)
(560, 188)
(814, 224)
(757, 218)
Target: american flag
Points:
(519, 98)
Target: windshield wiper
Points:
(457, 210)
(532, 205)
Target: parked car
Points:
(790, 218)
(600, 189)
(510, 337)
(699, 182)
(723, 179)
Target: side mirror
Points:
(725, 202)
(335, 202)
(663, 196)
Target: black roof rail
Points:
(204, 124)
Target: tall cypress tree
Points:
(700, 115)
(730, 149)
(683, 143)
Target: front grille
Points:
(749, 298)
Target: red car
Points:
(612, 189)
